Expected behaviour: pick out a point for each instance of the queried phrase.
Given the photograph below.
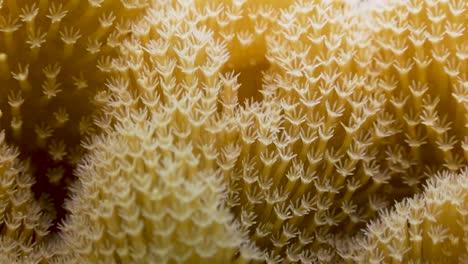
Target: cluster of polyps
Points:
(352, 107)
(49, 100)
(428, 227)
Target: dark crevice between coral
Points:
(251, 81)
(47, 193)
(51, 194)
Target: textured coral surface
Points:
(233, 131)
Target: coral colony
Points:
(233, 131)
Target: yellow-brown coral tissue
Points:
(233, 131)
